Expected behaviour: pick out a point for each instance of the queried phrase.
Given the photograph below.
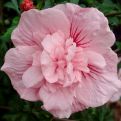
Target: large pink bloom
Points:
(62, 57)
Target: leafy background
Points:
(12, 108)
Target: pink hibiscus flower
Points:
(62, 57)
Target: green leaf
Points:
(47, 4)
(118, 44)
(13, 5)
(7, 35)
(74, 1)
(9, 5)
(89, 2)
(11, 117)
(108, 6)
(114, 21)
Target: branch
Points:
(5, 108)
(113, 14)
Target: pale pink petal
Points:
(90, 30)
(112, 61)
(117, 95)
(96, 59)
(17, 61)
(77, 106)
(51, 41)
(69, 9)
(57, 101)
(45, 58)
(98, 87)
(49, 73)
(32, 77)
(34, 25)
(53, 71)
(61, 113)
(71, 52)
(96, 92)
(29, 94)
(48, 68)
(60, 73)
(36, 58)
(78, 76)
(58, 52)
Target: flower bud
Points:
(26, 5)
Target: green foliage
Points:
(118, 45)
(12, 108)
(103, 113)
(74, 1)
(7, 35)
(13, 4)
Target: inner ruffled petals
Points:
(66, 63)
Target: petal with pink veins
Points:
(34, 25)
(98, 88)
(96, 59)
(58, 102)
(17, 61)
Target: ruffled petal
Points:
(69, 9)
(17, 61)
(98, 87)
(96, 59)
(57, 100)
(77, 106)
(34, 25)
(90, 30)
(51, 41)
(32, 77)
(29, 94)
(96, 92)
(36, 58)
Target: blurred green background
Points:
(12, 108)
